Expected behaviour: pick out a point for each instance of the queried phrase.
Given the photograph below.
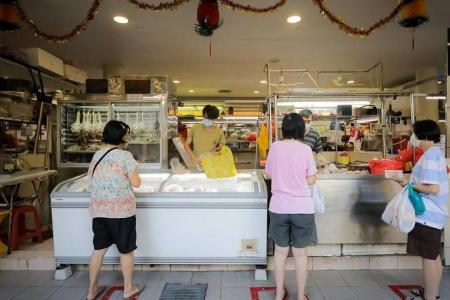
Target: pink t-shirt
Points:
(288, 164)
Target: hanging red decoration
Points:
(9, 21)
(208, 17)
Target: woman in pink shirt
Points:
(291, 166)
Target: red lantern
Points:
(9, 21)
(208, 17)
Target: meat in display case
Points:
(81, 123)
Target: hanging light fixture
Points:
(413, 15)
(9, 21)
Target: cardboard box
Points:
(40, 58)
(75, 74)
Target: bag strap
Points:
(101, 158)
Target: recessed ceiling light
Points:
(176, 81)
(120, 20)
(294, 19)
(440, 82)
(263, 82)
(191, 91)
(255, 92)
(350, 82)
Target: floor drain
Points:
(184, 291)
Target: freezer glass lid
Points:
(244, 182)
(151, 183)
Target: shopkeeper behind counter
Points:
(312, 137)
(205, 137)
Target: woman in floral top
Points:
(113, 173)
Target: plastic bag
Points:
(263, 141)
(378, 166)
(319, 200)
(221, 165)
(416, 200)
(400, 213)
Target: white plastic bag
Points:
(319, 199)
(400, 213)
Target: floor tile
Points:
(148, 293)
(150, 279)
(270, 282)
(213, 279)
(17, 278)
(328, 279)
(69, 293)
(46, 278)
(371, 292)
(36, 293)
(313, 292)
(78, 279)
(291, 280)
(388, 277)
(358, 278)
(237, 279)
(338, 293)
(235, 293)
(169, 276)
(9, 292)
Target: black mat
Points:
(182, 291)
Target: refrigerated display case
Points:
(81, 121)
(181, 219)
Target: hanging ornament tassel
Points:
(210, 47)
(413, 40)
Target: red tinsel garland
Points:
(161, 6)
(63, 37)
(251, 9)
(355, 30)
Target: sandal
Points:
(100, 290)
(139, 288)
(421, 293)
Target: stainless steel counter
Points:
(354, 204)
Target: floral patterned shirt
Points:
(112, 195)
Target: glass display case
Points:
(81, 123)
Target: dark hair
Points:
(293, 127)
(305, 113)
(114, 132)
(210, 112)
(427, 130)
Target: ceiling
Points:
(165, 42)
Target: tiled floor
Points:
(322, 285)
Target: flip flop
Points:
(100, 290)
(140, 287)
(421, 293)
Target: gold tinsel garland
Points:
(251, 9)
(355, 30)
(161, 6)
(63, 37)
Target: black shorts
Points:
(120, 231)
(424, 241)
(296, 230)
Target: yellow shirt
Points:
(205, 140)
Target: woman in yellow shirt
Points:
(205, 137)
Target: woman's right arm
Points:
(311, 180)
(312, 170)
(135, 179)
